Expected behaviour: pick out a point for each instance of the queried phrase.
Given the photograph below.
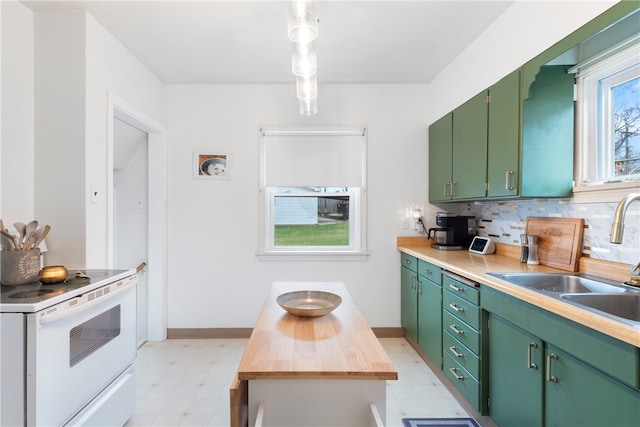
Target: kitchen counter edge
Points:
(476, 267)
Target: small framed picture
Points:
(211, 166)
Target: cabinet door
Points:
(470, 148)
(430, 319)
(504, 143)
(515, 386)
(547, 134)
(408, 302)
(595, 399)
(440, 155)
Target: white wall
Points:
(79, 64)
(17, 163)
(215, 279)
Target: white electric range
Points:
(68, 350)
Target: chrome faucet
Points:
(617, 229)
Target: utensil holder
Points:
(19, 267)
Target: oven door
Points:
(77, 352)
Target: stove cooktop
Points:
(35, 296)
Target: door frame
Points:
(157, 203)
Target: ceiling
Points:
(238, 41)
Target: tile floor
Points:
(185, 382)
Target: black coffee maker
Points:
(454, 232)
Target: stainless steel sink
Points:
(603, 296)
(561, 282)
(625, 305)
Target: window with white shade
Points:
(312, 191)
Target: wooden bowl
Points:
(52, 274)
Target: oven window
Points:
(91, 335)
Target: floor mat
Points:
(439, 422)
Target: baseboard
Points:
(210, 333)
(203, 333)
(388, 332)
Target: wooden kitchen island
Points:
(311, 371)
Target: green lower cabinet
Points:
(430, 319)
(533, 383)
(515, 375)
(578, 394)
(408, 303)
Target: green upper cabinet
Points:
(458, 153)
(503, 152)
(521, 143)
(440, 158)
(469, 175)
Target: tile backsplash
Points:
(505, 221)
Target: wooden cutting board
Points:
(560, 241)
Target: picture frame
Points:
(211, 166)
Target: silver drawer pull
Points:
(455, 353)
(455, 374)
(455, 288)
(456, 308)
(529, 347)
(455, 329)
(551, 378)
(426, 270)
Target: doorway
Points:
(149, 203)
(130, 224)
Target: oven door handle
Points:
(50, 318)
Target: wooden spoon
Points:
(7, 243)
(22, 229)
(30, 228)
(40, 238)
(11, 238)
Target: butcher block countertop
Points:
(475, 267)
(339, 345)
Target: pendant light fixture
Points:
(303, 30)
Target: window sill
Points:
(603, 193)
(312, 256)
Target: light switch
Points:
(94, 196)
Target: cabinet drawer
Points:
(409, 261)
(462, 309)
(456, 287)
(461, 354)
(461, 331)
(462, 380)
(430, 271)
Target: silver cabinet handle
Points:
(413, 282)
(507, 185)
(455, 353)
(551, 378)
(419, 287)
(455, 374)
(446, 193)
(455, 329)
(455, 288)
(529, 347)
(453, 183)
(456, 308)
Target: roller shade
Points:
(314, 158)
